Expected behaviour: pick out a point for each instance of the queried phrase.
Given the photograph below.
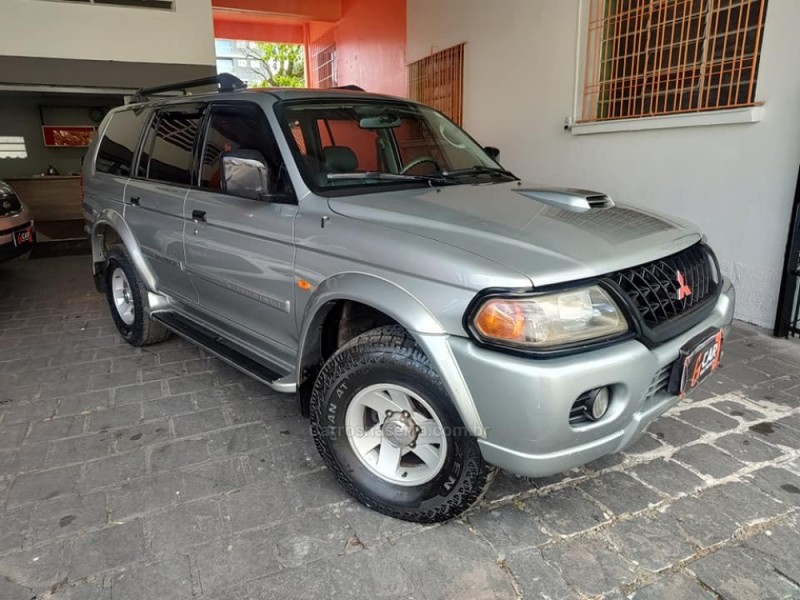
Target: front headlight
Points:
(9, 203)
(549, 320)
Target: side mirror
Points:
(245, 173)
(492, 152)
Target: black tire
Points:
(143, 331)
(390, 355)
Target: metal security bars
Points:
(656, 57)
(438, 80)
(322, 61)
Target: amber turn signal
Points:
(501, 320)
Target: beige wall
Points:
(736, 181)
(39, 28)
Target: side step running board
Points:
(223, 350)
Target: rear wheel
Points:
(387, 429)
(127, 298)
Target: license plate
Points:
(23, 237)
(697, 360)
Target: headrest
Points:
(339, 159)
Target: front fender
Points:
(399, 304)
(110, 218)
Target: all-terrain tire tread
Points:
(393, 344)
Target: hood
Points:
(551, 235)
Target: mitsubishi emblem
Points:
(683, 289)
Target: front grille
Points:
(655, 288)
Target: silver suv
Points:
(435, 316)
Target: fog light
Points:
(598, 402)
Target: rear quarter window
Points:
(116, 150)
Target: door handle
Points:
(198, 215)
(135, 200)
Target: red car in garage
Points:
(17, 233)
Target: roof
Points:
(310, 93)
(277, 93)
(228, 85)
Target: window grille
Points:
(322, 56)
(438, 81)
(655, 57)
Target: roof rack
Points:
(225, 81)
(351, 87)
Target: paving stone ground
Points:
(160, 473)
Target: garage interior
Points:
(45, 175)
(161, 472)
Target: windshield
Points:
(365, 144)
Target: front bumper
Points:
(8, 249)
(524, 403)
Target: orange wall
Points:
(298, 10)
(370, 44)
(241, 28)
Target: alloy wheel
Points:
(123, 296)
(396, 434)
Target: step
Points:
(225, 350)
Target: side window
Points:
(168, 150)
(324, 133)
(147, 146)
(299, 138)
(235, 128)
(115, 154)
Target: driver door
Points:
(240, 251)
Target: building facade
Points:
(732, 171)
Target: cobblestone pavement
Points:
(159, 473)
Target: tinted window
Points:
(115, 154)
(234, 128)
(168, 149)
(299, 137)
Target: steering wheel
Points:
(418, 161)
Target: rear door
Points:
(104, 186)
(155, 195)
(240, 253)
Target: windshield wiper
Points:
(480, 170)
(387, 176)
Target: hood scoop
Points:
(568, 198)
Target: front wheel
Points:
(386, 428)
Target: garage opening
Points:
(262, 64)
(44, 134)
